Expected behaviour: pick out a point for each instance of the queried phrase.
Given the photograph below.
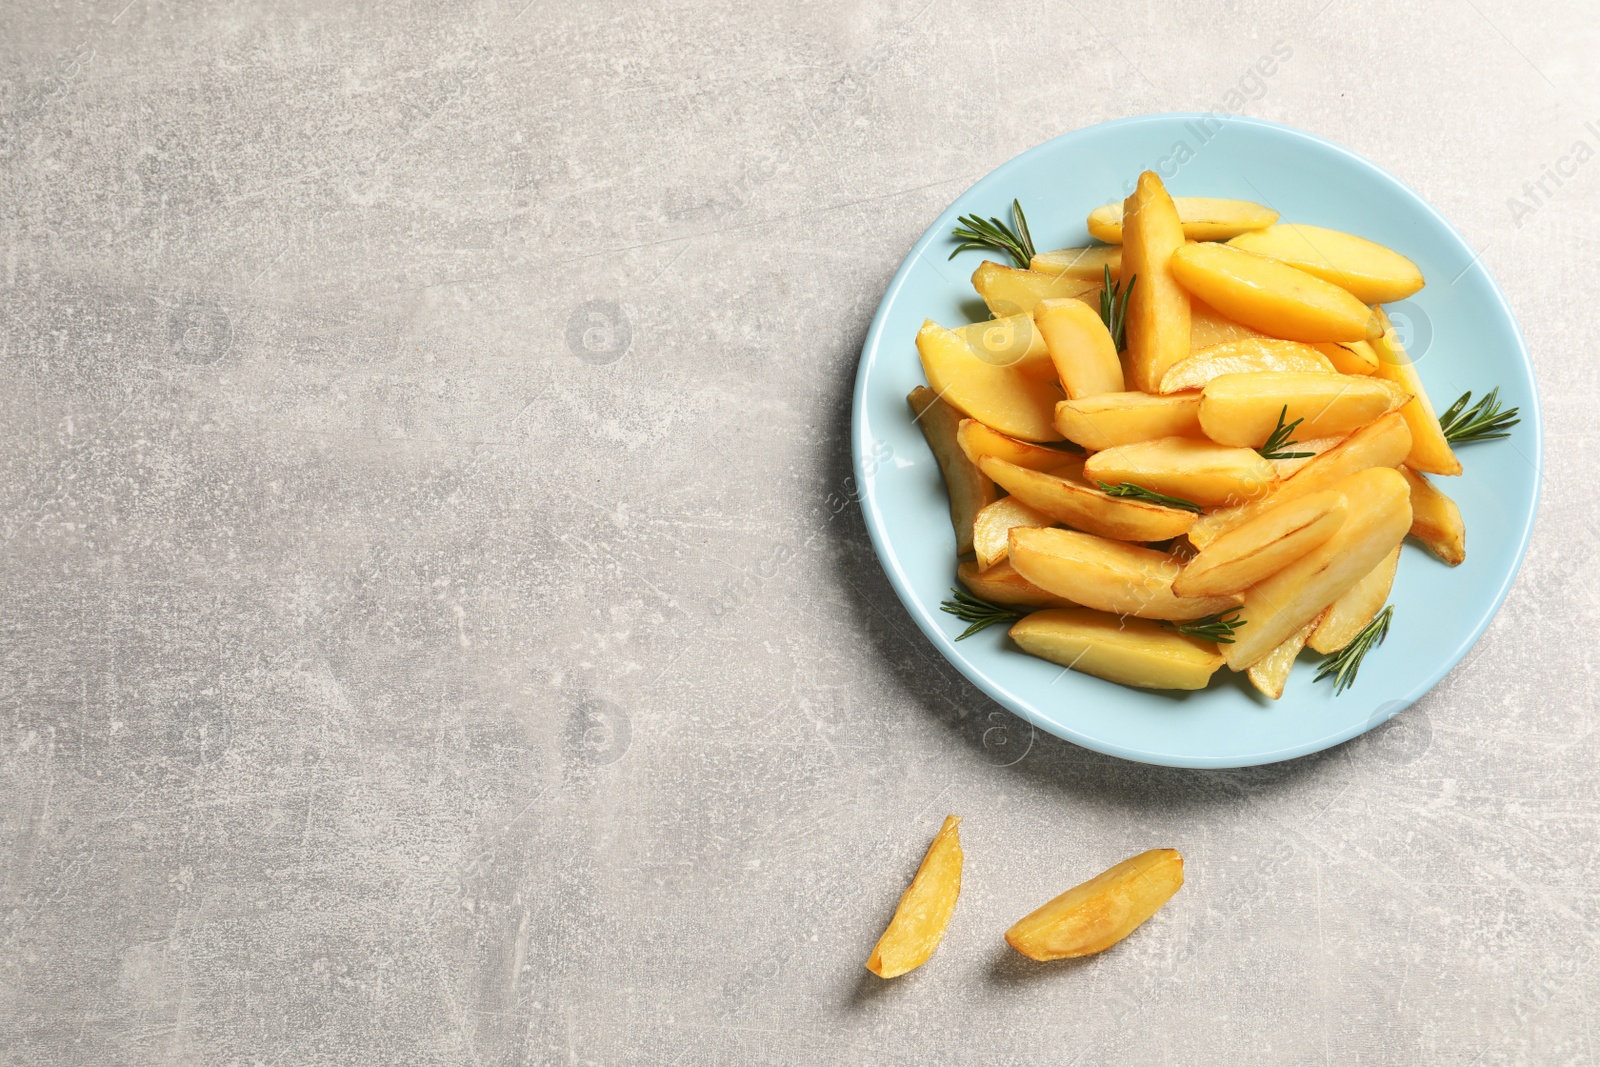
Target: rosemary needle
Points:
(1218, 627)
(1114, 308)
(1139, 492)
(1344, 664)
(981, 613)
(1483, 421)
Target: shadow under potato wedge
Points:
(1111, 576)
(1095, 915)
(925, 907)
(1070, 501)
(1128, 651)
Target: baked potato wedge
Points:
(1112, 419)
(977, 440)
(1430, 451)
(1250, 355)
(1002, 584)
(1009, 291)
(1092, 917)
(1208, 326)
(1350, 357)
(1244, 409)
(1273, 297)
(1085, 264)
(1365, 269)
(1081, 349)
(1262, 546)
(1003, 398)
(1107, 575)
(1010, 341)
(925, 907)
(969, 488)
(1358, 606)
(1157, 320)
(1134, 652)
(1271, 672)
(1203, 218)
(1435, 519)
(1185, 467)
(991, 530)
(1069, 500)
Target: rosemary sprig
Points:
(981, 613)
(1483, 421)
(1280, 440)
(1114, 308)
(1139, 492)
(1218, 627)
(1344, 664)
(975, 232)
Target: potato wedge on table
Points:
(1081, 349)
(1383, 443)
(1273, 297)
(1358, 606)
(1244, 409)
(1243, 357)
(991, 530)
(1204, 218)
(1365, 269)
(1092, 917)
(1011, 341)
(970, 490)
(1379, 516)
(1107, 575)
(1133, 652)
(1071, 501)
(1002, 584)
(1259, 548)
(977, 440)
(1086, 264)
(1000, 397)
(1208, 326)
(1350, 357)
(1009, 291)
(1112, 419)
(1430, 451)
(1200, 471)
(925, 907)
(1157, 320)
(1269, 673)
(1435, 519)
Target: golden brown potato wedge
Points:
(1365, 269)
(1000, 397)
(1259, 548)
(925, 907)
(1208, 326)
(969, 488)
(991, 530)
(1158, 307)
(1356, 607)
(1107, 575)
(1085, 264)
(1204, 218)
(1350, 357)
(1112, 419)
(1273, 297)
(1009, 291)
(1379, 516)
(1430, 451)
(1435, 519)
(1269, 673)
(1244, 409)
(1200, 471)
(1383, 443)
(1094, 916)
(1081, 348)
(1002, 584)
(1071, 501)
(1243, 357)
(977, 440)
(1133, 652)
(1011, 341)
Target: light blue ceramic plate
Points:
(1459, 329)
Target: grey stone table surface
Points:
(432, 635)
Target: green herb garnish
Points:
(1280, 440)
(975, 232)
(1218, 627)
(1483, 421)
(981, 613)
(1139, 492)
(1114, 308)
(1344, 664)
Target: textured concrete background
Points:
(432, 630)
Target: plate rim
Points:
(991, 687)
